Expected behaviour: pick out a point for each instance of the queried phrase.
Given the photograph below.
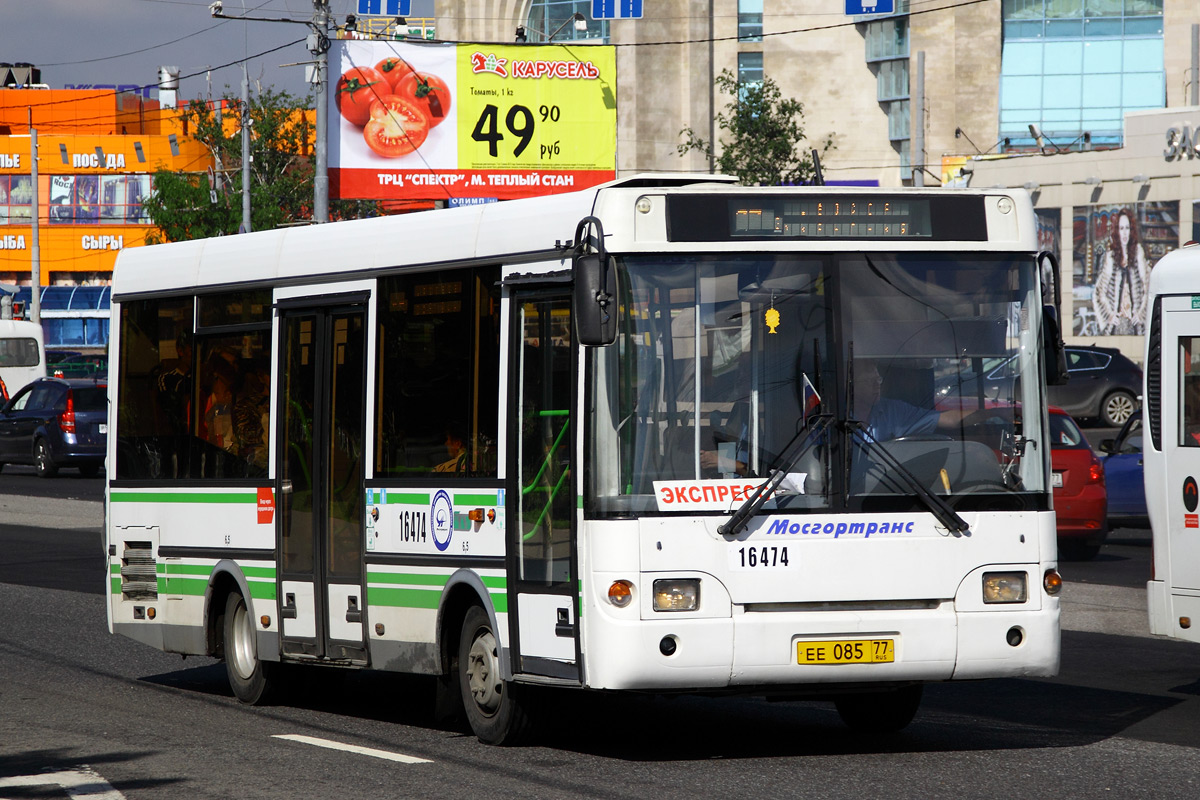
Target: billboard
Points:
(1115, 247)
(411, 120)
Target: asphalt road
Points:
(78, 705)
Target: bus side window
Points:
(1189, 391)
(437, 371)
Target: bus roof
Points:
(1177, 271)
(451, 235)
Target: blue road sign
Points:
(859, 8)
(390, 8)
(621, 9)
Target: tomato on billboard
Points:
(447, 121)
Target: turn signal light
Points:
(1052, 582)
(475, 515)
(620, 594)
(265, 621)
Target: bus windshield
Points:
(720, 360)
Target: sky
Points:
(115, 42)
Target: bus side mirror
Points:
(595, 300)
(1053, 347)
(595, 289)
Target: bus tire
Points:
(880, 712)
(250, 678)
(493, 706)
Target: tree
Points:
(281, 173)
(766, 133)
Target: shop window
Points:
(438, 374)
(121, 198)
(95, 199)
(16, 195)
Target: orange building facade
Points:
(97, 151)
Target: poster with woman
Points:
(1115, 247)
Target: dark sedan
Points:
(56, 422)
(1104, 384)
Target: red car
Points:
(1080, 496)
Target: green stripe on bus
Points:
(401, 577)
(259, 572)
(475, 499)
(500, 602)
(261, 590)
(403, 598)
(184, 497)
(114, 569)
(494, 581)
(190, 586)
(407, 498)
(116, 585)
(175, 568)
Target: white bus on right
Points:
(1171, 453)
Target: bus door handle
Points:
(563, 627)
(289, 606)
(285, 487)
(353, 612)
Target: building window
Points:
(16, 194)
(750, 69)
(750, 20)
(887, 50)
(1072, 67)
(95, 199)
(548, 16)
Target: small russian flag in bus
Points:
(811, 400)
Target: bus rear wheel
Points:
(249, 677)
(880, 712)
(493, 706)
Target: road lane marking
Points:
(79, 784)
(352, 748)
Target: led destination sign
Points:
(862, 216)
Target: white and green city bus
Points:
(1171, 442)
(666, 435)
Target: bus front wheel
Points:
(492, 705)
(880, 712)
(249, 677)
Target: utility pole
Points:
(246, 130)
(318, 45)
(35, 249)
(917, 124)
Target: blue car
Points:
(1123, 471)
(56, 422)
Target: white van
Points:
(22, 353)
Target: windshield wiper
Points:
(936, 505)
(805, 438)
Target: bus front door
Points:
(320, 484)
(543, 593)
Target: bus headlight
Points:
(677, 594)
(1004, 587)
